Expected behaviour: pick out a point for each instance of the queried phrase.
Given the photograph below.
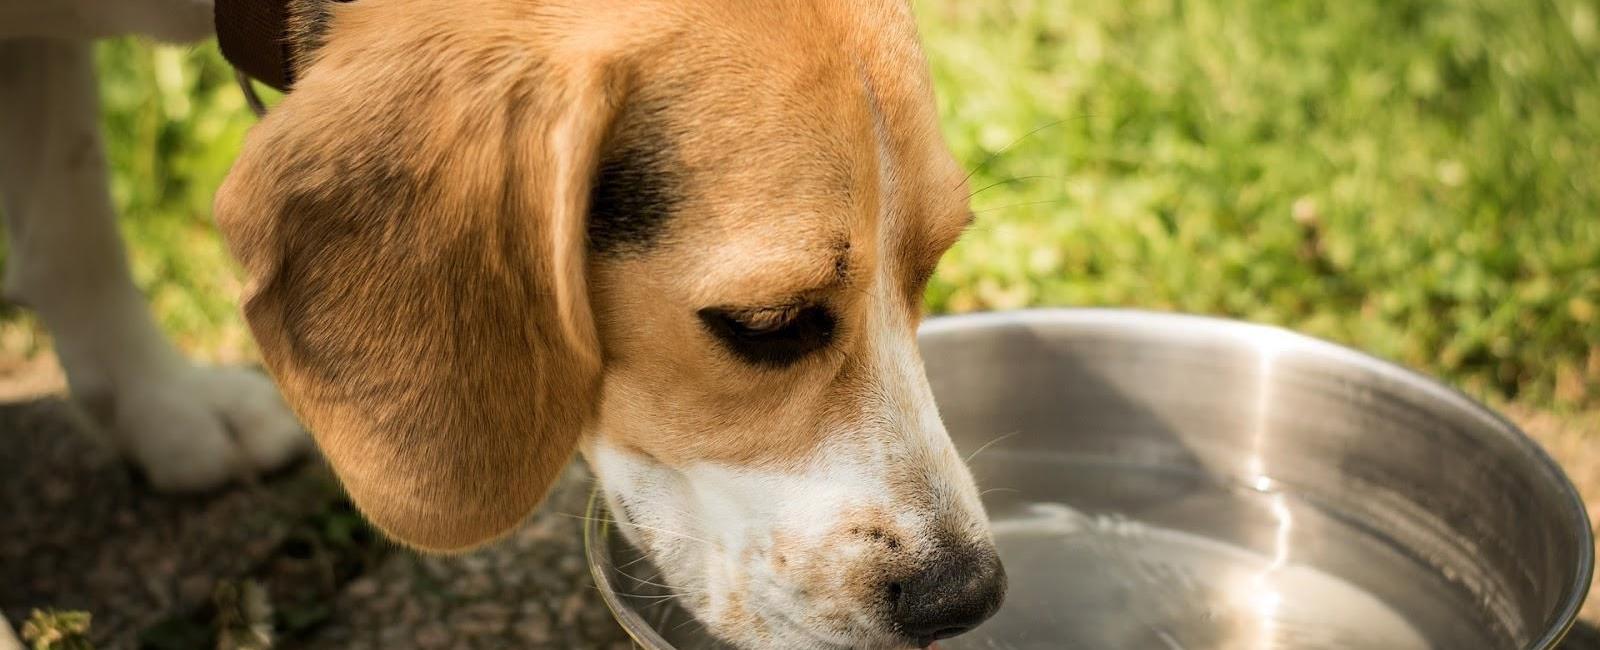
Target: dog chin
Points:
(750, 619)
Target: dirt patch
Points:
(83, 533)
(1573, 439)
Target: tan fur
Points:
(778, 122)
(411, 224)
(411, 221)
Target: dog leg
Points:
(8, 637)
(189, 427)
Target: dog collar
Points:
(254, 37)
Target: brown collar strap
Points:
(254, 37)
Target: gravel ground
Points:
(79, 531)
(531, 591)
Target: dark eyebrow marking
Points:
(807, 293)
(816, 280)
(841, 262)
(637, 188)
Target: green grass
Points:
(1416, 178)
(174, 121)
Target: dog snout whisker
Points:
(1025, 204)
(991, 443)
(673, 589)
(687, 622)
(1013, 179)
(1002, 150)
(664, 531)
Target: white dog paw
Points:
(204, 427)
(262, 425)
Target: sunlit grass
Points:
(1417, 178)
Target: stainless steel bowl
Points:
(1164, 482)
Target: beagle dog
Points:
(686, 238)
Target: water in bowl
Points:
(1160, 558)
(1106, 555)
(1118, 583)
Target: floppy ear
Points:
(411, 224)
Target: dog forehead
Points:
(780, 77)
(814, 133)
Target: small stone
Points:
(433, 635)
(571, 606)
(362, 588)
(477, 562)
(411, 610)
(481, 619)
(475, 585)
(395, 634)
(437, 568)
(534, 627)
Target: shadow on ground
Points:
(81, 532)
(1583, 637)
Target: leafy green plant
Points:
(57, 630)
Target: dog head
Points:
(688, 238)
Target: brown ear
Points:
(411, 224)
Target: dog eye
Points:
(772, 338)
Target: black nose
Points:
(951, 595)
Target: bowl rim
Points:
(596, 531)
(597, 526)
